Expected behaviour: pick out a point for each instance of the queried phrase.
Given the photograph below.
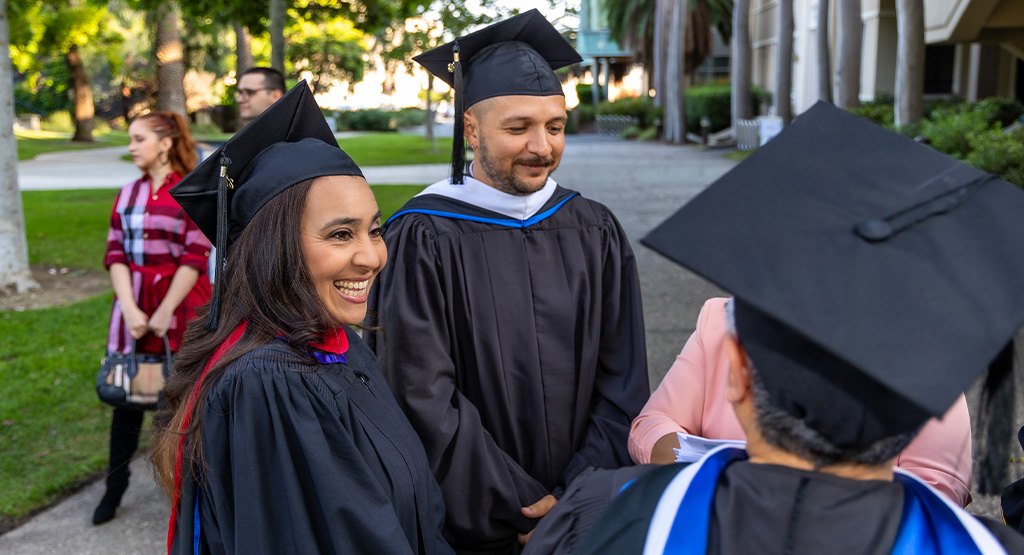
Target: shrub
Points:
(586, 113)
(715, 103)
(204, 129)
(879, 111)
(59, 121)
(999, 152)
(949, 129)
(631, 132)
(368, 120)
(642, 108)
(410, 117)
(585, 94)
(648, 134)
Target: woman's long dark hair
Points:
(268, 287)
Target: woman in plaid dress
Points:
(157, 259)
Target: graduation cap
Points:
(516, 56)
(288, 143)
(874, 277)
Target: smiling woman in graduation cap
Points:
(280, 435)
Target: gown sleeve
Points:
(484, 488)
(282, 472)
(621, 383)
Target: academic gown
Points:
(516, 348)
(304, 459)
(758, 508)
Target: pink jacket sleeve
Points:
(941, 453)
(691, 399)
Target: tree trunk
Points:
(661, 36)
(84, 109)
(849, 37)
(675, 108)
(824, 65)
(428, 120)
(909, 62)
(243, 49)
(784, 60)
(170, 62)
(278, 12)
(742, 103)
(14, 270)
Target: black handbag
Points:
(134, 380)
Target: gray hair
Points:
(784, 431)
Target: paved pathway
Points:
(642, 183)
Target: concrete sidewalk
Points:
(103, 168)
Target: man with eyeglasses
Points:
(257, 89)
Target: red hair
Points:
(182, 155)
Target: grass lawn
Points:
(739, 155)
(53, 429)
(33, 143)
(394, 149)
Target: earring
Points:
(163, 158)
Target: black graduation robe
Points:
(753, 512)
(1012, 499)
(515, 347)
(314, 460)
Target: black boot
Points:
(124, 440)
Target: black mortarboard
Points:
(875, 277)
(288, 143)
(516, 56)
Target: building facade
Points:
(975, 48)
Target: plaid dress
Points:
(152, 235)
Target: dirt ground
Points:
(57, 287)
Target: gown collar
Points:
(482, 195)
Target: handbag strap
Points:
(167, 352)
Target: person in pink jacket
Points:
(691, 399)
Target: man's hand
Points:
(537, 510)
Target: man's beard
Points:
(508, 181)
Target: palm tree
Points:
(909, 62)
(170, 62)
(784, 60)
(675, 110)
(278, 12)
(13, 250)
(824, 67)
(849, 36)
(632, 23)
(742, 103)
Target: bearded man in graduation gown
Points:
(874, 279)
(511, 328)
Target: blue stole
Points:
(931, 524)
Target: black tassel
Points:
(223, 185)
(458, 141)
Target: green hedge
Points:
(715, 102)
(642, 108)
(368, 120)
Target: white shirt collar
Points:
(482, 195)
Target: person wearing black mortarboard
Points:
(873, 279)
(280, 434)
(512, 325)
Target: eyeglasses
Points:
(246, 93)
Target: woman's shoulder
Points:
(265, 369)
